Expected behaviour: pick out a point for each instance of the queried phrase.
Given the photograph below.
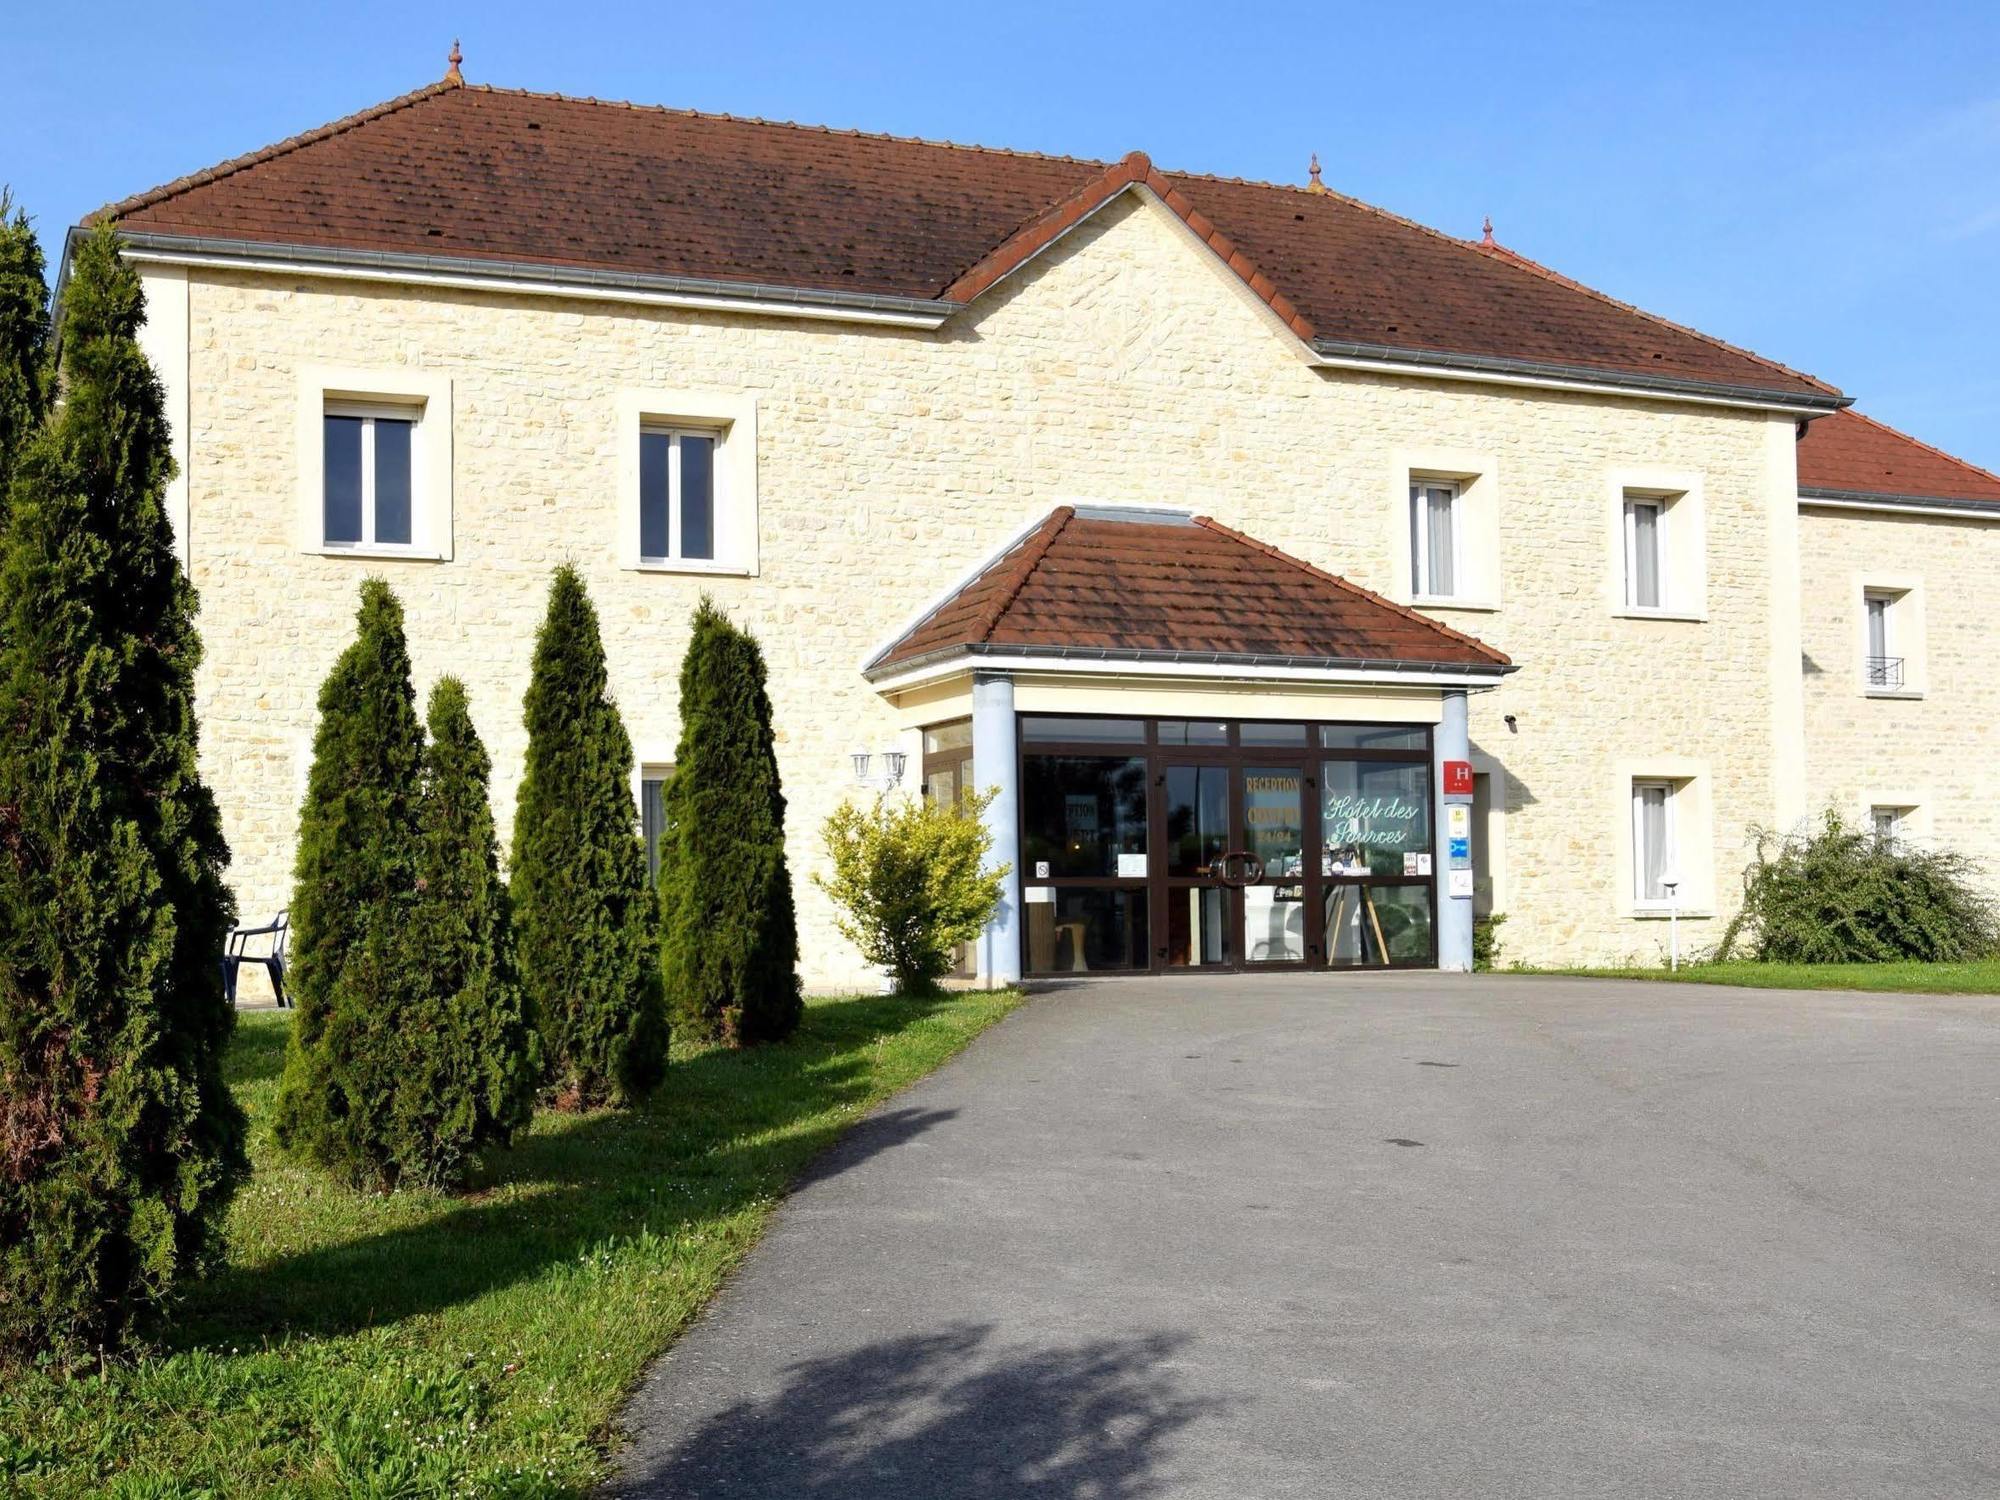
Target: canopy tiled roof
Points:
(1849, 454)
(477, 173)
(1139, 584)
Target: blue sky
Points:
(1821, 184)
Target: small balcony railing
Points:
(1885, 671)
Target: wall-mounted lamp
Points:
(1512, 727)
(894, 762)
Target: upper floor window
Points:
(1658, 566)
(1645, 552)
(1434, 529)
(369, 475)
(1884, 664)
(374, 462)
(687, 481)
(677, 495)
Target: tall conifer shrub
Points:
(353, 893)
(473, 1058)
(119, 1144)
(24, 332)
(730, 948)
(583, 918)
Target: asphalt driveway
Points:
(1406, 1235)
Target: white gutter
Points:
(469, 274)
(1579, 384)
(1897, 506)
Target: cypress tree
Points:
(472, 1059)
(354, 886)
(119, 1143)
(24, 332)
(730, 948)
(583, 919)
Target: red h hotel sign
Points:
(1458, 778)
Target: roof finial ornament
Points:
(1487, 236)
(1315, 186)
(451, 74)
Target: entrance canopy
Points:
(1202, 752)
(1101, 586)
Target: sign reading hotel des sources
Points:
(1380, 822)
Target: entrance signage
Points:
(1458, 778)
(1384, 822)
(1458, 849)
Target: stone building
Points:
(1303, 578)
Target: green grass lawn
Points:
(418, 1345)
(1937, 979)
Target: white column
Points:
(1454, 917)
(996, 766)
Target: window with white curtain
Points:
(1653, 841)
(1434, 518)
(1645, 553)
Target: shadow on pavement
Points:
(942, 1415)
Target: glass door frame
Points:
(1241, 759)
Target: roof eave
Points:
(1445, 364)
(915, 670)
(479, 273)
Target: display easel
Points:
(1374, 920)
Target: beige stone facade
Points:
(1925, 744)
(1125, 365)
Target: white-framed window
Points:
(687, 485)
(653, 781)
(1658, 562)
(1891, 824)
(678, 494)
(1889, 635)
(374, 462)
(368, 469)
(1655, 843)
(1434, 539)
(1883, 666)
(1645, 552)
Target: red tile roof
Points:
(1847, 453)
(507, 175)
(1157, 584)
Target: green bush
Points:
(24, 333)
(583, 910)
(1837, 894)
(353, 890)
(473, 1059)
(1486, 941)
(119, 1143)
(730, 940)
(909, 879)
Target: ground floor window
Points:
(1178, 843)
(1653, 841)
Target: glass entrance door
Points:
(1274, 906)
(1198, 924)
